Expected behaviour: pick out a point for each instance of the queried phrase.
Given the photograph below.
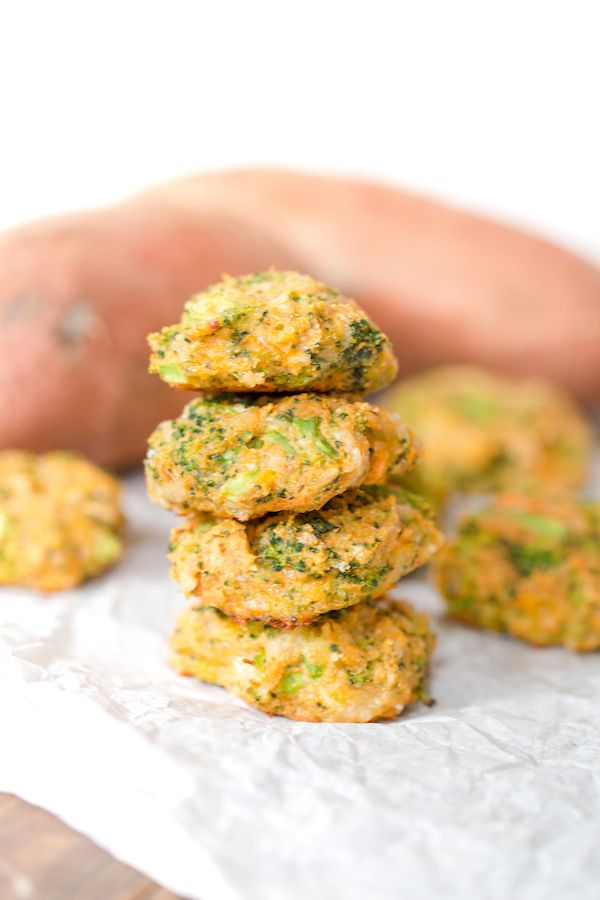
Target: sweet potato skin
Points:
(79, 293)
(77, 297)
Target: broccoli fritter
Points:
(272, 332)
(289, 568)
(60, 520)
(484, 432)
(244, 456)
(530, 566)
(357, 665)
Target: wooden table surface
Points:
(43, 859)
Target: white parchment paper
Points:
(494, 792)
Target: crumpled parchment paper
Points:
(494, 792)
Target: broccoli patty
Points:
(530, 566)
(246, 456)
(481, 431)
(60, 520)
(272, 332)
(360, 664)
(289, 568)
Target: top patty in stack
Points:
(273, 332)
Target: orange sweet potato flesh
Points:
(78, 294)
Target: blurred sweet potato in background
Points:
(79, 293)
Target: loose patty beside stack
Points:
(292, 531)
(60, 520)
(487, 432)
(528, 565)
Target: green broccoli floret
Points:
(277, 438)
(314, 670)
(237, 486)
(362, 352)
(279, 553)
(172, 373)
(544, 526)
(477, 407)
(526, 559)
(291, 683)
(311, 428)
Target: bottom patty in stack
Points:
(355, 665)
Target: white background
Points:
(492, 104)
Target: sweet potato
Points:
(78, 294)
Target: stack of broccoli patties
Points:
(292, 530)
